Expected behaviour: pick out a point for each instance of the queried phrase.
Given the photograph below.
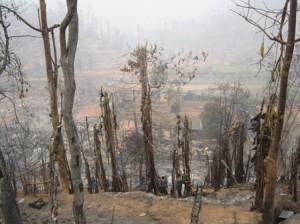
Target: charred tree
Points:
(229, 154)
(258, 160)
(87, 173)
(138, 143)
(146, 119)
(9, 210)
(226, 155)
(148, 140)
(186, 152)
(52, 76)
(216, 170)
(197, 207)
(264, 126)
(239, 153)
(124, 182)
(53, 148)
(99, 159)
(179, 129)
(175, 169)
(86, 163)
(157, 78)
(294, 173)
(110, 143)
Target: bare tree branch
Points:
(20, 18)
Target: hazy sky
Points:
(147, 13)
(189, 24)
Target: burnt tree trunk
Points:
(186, 149)
(239, 166)
(175, 171)
(87, 173)
(100, 160)
(138, 143)
(147, 119)
(179, 128)
(227, 158)
(263, 142)
(124, 182)
(52, 75)
(294, 173)
(197, 207)
(216, 170)
(53, 185)
(148, 141)
(258, 159)
(110, 143)
(9, 211)
(86, 163)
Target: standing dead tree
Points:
(238, 153)
(152, 72)
(186, 155)
(110, 142)
(176, 172)
(52, 76)
(134, 154)
(53, 148)
(264, 127)
(294, 173)
(87, 172)
(227, 156)
(148, 137)
(10, 65)
(99, 160)
(197, 206)
(85, 159)
(175, 169)
(9, 211)
(125, 187)
(140, 67)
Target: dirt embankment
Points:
(226, 207)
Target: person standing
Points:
(179, 182)
(93, 185)
(164, 186)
